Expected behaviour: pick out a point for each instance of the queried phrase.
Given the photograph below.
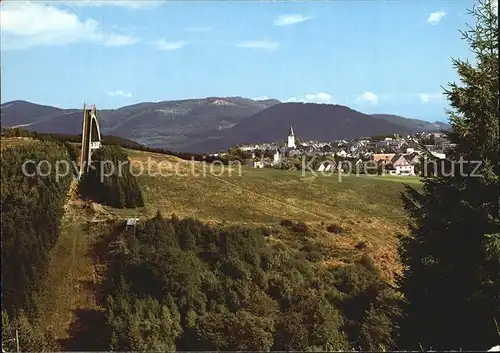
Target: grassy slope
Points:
(265, 195)
(367, 208)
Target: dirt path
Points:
(68, 300)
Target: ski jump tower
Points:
(91, 137)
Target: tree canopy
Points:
(451, 280)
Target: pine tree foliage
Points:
(451, 280)
(185, 285)
(32, 207)
(110, 181)
(143, 325)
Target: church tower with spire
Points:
(291, 139)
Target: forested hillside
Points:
(171, 124)
(32, 207)
(183, 285)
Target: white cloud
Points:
(428, 97)
(288, 20)
(495, 6)
(169, 46)
(29, 24)
(323, 98)
(263, 98)
(435, 17)
(114, 40)
(198, 29)
(120, 93)
(145, 4)
(318, 98)
(368, 97)
(259, 44)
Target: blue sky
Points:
(374, 56)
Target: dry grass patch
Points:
(14, 141)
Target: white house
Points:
(325, 166)
(276, 157)
(342, 153)
(257, 164)
(414, 158)
(401, 166)
(439, 155)
(291, 139)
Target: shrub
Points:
(335, 228)
(361, 245)
(286, 222)
(314, 256)
(308, 247)
(300, 227)
(367, 262)
(266, 231)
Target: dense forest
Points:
(183, 285)
(32, 206)
(109, 180)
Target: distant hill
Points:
(213, 123)
(310, 121)
(172, 124)
(22, 113)
(414, 124)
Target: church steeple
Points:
(291, 139)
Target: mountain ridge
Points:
(194, 124)
(324, 122)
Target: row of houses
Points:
(393, 163)
(356, 148)
(399, 154)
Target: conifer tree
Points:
(451, 279)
